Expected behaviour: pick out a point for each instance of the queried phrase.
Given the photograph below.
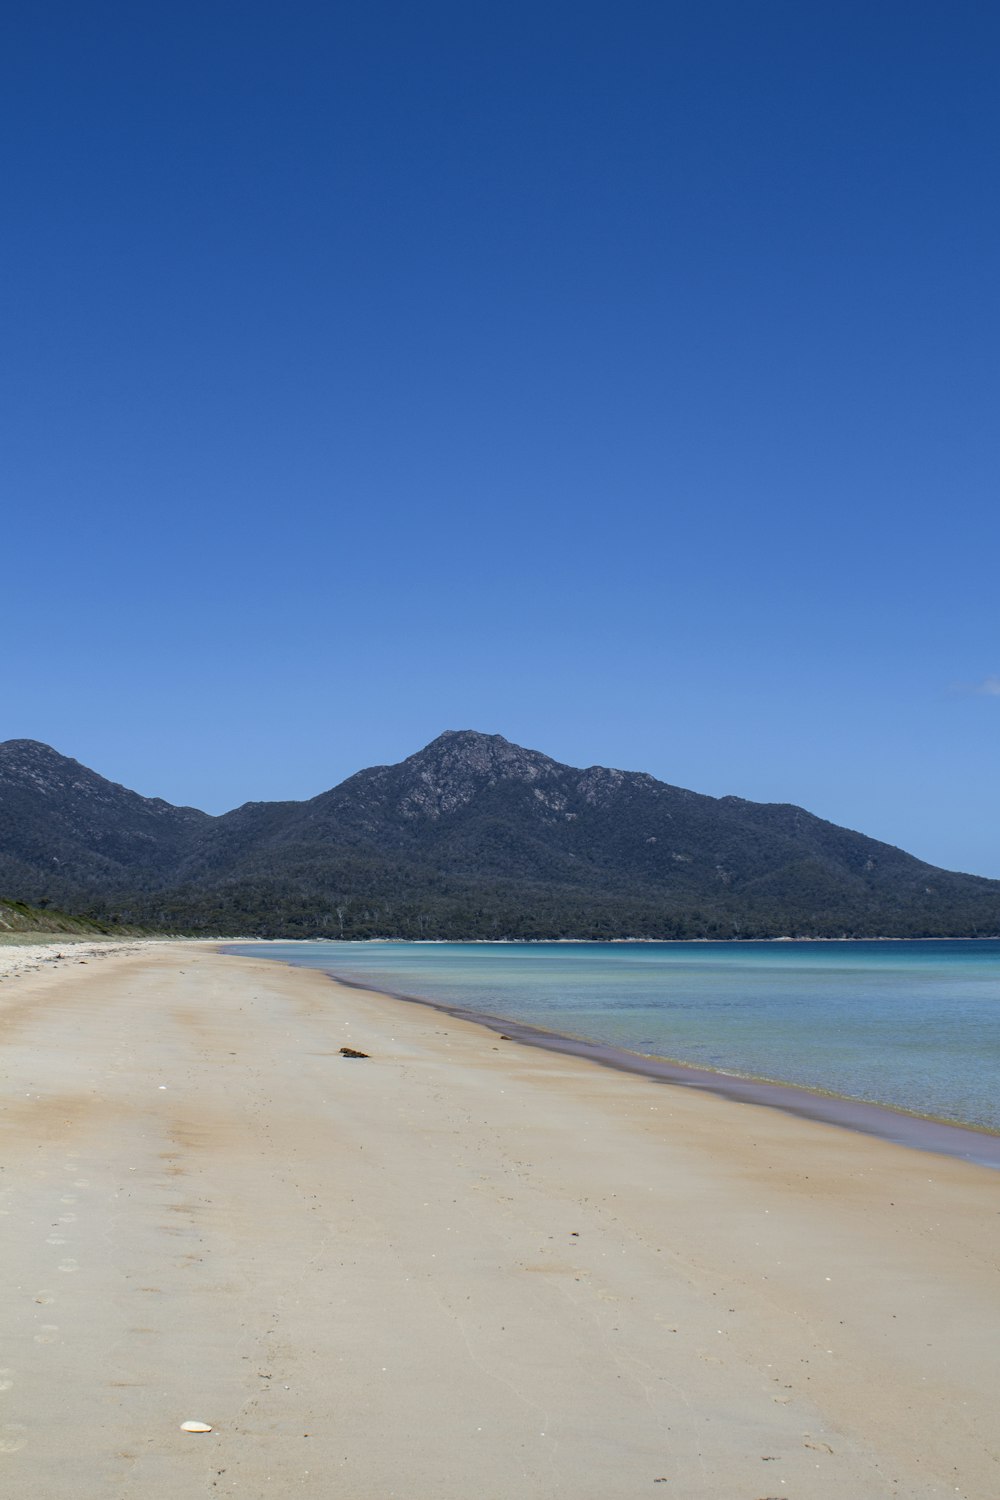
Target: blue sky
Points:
(621, 378)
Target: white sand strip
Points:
(59, 951)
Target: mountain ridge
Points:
(470, 836)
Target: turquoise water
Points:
(915, 1025)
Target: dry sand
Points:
(461, 1270)
(31, 953)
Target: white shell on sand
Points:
(195, 1427)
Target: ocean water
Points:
(912, 1025)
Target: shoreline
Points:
(460, 1266)
(606, 942)
(975, 1144)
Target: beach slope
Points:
(457, 1267)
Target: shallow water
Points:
(913, 1025)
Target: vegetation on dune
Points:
(17, 918)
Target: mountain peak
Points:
(466, 740)
(450, 771)
(36, 749)
(32, 762)
(481, 754)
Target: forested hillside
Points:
(470, 837)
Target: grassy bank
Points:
(22, 923)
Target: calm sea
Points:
(915, 1025)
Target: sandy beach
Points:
(462, 1267)
(23, 953)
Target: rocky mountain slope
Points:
(470, 837)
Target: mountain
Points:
(470, 837)
(64, 829)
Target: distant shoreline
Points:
(599, 942)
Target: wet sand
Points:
(462, 1267)
(903, 1127)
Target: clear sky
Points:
(620, 378)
